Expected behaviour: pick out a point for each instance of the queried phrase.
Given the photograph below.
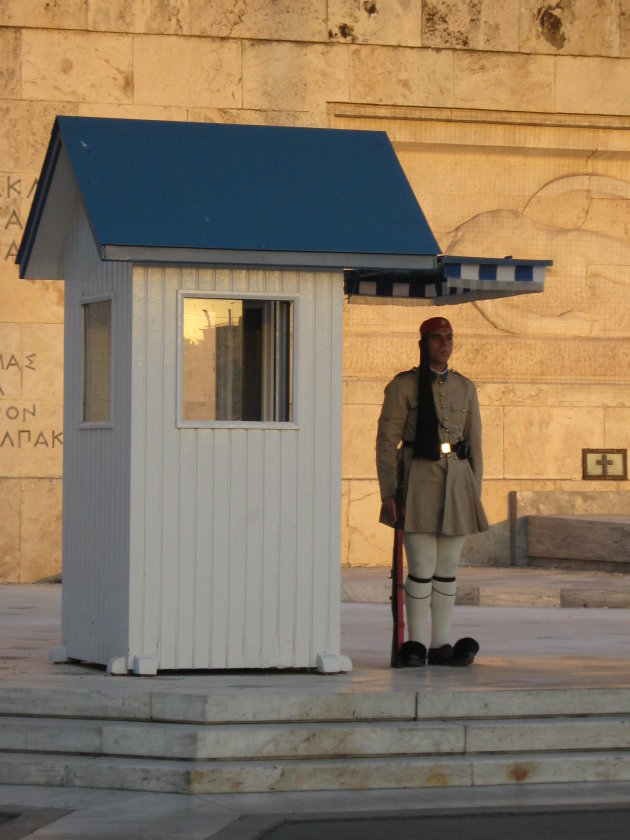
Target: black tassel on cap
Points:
(427, 441)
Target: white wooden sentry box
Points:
(201, 522)
(205, 268)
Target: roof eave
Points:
(267, 259)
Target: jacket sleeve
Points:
(473, 434)
(391, 425)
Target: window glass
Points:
(97, 332)
(237, 359)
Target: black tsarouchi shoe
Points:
(460, 654)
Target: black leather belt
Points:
(460, 450)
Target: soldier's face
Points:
(440, 344)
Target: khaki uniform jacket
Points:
(442, 497)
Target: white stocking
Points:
(421, 551)
(444, 589)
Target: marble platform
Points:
(548, 701)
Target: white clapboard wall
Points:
(95, 589)
(201, 547)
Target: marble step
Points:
(141, 703)
(229, 741)
(315, 774)
(248, 742)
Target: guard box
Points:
(204, 281)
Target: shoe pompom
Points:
(465, 650)
(413, 655)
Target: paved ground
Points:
(577, 823)
(540, 647)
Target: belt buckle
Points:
(445, 450)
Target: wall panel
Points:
(243, 535)
(96, 467)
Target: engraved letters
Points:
(12, 215)
(14, 415)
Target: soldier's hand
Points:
(388, 510)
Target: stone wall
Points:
(510, 118)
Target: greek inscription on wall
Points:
(16, 193)
(16, 418)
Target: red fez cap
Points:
(434, 324)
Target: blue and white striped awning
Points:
(455, 280)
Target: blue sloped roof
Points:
(233, 188)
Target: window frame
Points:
(81, 422)
(182, 423)
(587, 476)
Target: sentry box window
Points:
(97, 355)
(236, 360)
(605, 464)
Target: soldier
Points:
(430, 422)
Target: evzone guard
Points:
(429, 464)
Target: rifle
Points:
(398, 585)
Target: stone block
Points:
(542, 735)
(592, 85)
(31, 438)
(624, 8)
(187, 707)
(503, 81)
(369, 542)
(160, 17)
(401, 76)
(42, 370)
(24, 137)
(364, 391)
(321, 739)
(515, 596)
(594, 599)
(245, 116)
(71, 14)
(522, 702)
(124, 111)
(548, 442)
(79, 67)
(492, 426)
(616, 397)
(40, 517)
(582, 501)
(488, 548)
(345, 544)
(11, 363)
(27, 301)
(617, 422)
(484, 25)
(389, 22)
(495, 498)
(198, 72)
(21, 769)
(579, 28)
(359, 441)
(545, 769)
(10, 63)
(10, 531)
(296, 77)
(283, 20)
(16, 734)
(76, 702)
(157, 740)
(588, 539)
(332, 775)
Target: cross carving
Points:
(604, 463)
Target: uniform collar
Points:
(435, 374)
